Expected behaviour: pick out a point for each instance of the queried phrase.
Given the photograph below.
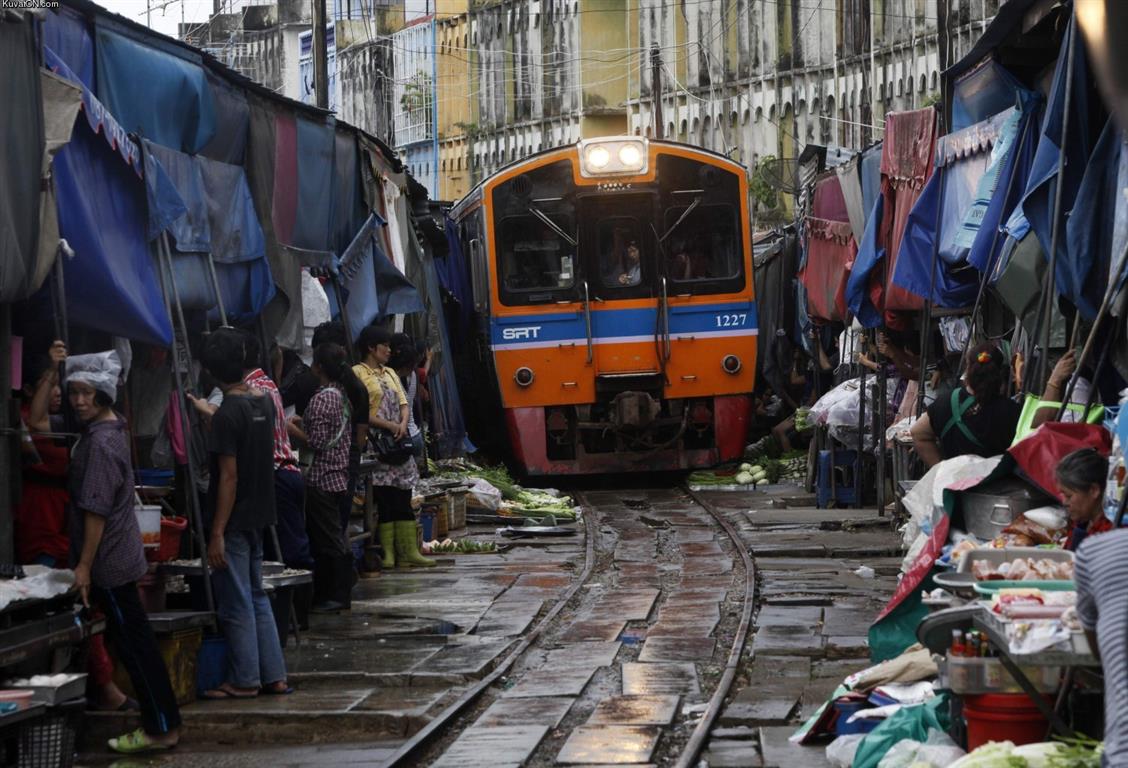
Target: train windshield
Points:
(536, 236)
(703, 244)
(534, 256)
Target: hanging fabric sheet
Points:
(986, 90)
(170, 104)
(62, 101)
(1091, 231)
(967, 170)
(851, 183)
(869, 258)
(906, 165)
(219, 219)
(870, 175)
(774, 268)
(375, 287)
(348, 211)
(64, 31)
(22, 136)
(232, 122)
(831, 249)
(455, 280)
(449, 423)
(1037, 210)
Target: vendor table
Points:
(36, 636)
(935, 633)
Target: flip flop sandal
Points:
(271, 690)
(136, 743)
(218, 694)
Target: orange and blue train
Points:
(615, 321)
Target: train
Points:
(614, 319)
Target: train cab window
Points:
(703, 249)
(619, 244)
(535, 257)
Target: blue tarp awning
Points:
(206, 207)
(162, 95)
(1091, 232)
(375, 288)
(111, 282)
(1037, 209)
(986, 90)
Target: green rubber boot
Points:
(387, 533)
(407, 551)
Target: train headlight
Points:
(598, 158)
(524, 376)
(613, 156)
(732, 364)
(630, 155)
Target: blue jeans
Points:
(254, 652)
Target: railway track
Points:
(631, 666)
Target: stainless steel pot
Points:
(990, 508)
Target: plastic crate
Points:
(211, 663)
(988, 675)
(49, 741)
(179, 650)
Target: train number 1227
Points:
(732, 321)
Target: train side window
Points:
(620, 256)
(703, 247)
(534, 256)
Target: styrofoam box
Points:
(997, 557)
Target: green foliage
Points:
(416, 94)
(765, 195)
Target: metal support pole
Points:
(656, 89)
(861, 441)
(1102, 313)
(1043, 361)
(926, 321)
(9, 438)
(192, 496)
(215, 287)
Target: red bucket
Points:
(171, 528)
(1003, 717)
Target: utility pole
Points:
(320, 56)
(656, 88)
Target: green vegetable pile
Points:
(791, 467)
(1070, 753)
(516, 501)
(462, 547)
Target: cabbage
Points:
(745, 478)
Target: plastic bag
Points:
(939, 751)
(840, 752)
(484, 495)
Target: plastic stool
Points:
(842, 493)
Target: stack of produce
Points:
(515, 500)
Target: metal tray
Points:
(71, 688)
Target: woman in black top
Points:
(978, 418)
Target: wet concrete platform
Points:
(811, 627)
(413, 641)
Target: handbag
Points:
(390, 450)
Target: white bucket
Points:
(149, 520)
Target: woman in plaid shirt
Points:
(325, 428)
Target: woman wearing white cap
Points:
(106, 540)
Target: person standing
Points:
(405, 360)
(326, 427)
(1101, 573)
(241, 503)
(392, 483)
(106, 540)
(289, 486)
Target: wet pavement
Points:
(619, 677)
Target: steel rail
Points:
(427, 733)
(701, 732)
